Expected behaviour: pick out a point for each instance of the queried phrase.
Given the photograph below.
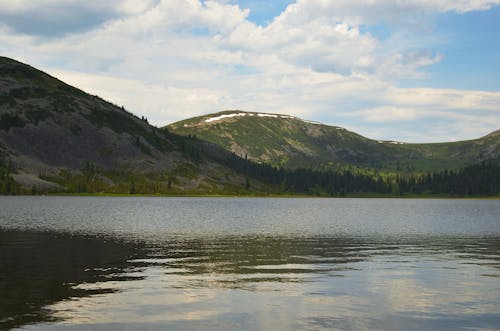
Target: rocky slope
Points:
(52, 132)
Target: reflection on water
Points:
(57, 281)
(62, 271)
(38, 269)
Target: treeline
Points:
(307, 181)
(480, 179)
(7, 183)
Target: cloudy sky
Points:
(413, 70)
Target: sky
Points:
(412, 71)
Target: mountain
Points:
(55, 136)
(289, 141)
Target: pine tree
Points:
(132, 186)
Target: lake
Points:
(147, 263)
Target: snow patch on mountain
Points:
(390, 142)
(243, 114)
(220, 117)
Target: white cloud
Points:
(55, 18)
(45, 6)
(172, 59)
(160, 104)
(446, 98)
(134, 7)
(355, 12)
(389, 114)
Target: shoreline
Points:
(284, 196)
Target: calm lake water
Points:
(85, 263)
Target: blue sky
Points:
(471, 57)
(412, 71)
(263, 12)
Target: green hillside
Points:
(294, 143)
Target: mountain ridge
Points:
(294, 142)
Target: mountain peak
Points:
(231, 114)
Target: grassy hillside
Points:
(292, 142)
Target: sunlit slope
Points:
(292, 142)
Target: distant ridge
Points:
(289, 141)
